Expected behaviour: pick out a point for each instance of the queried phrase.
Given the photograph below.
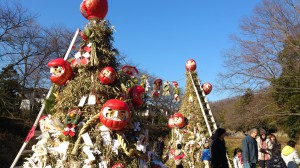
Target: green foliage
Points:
(9, 89)
(286, 88)
(191, 109)
(291, 126)
(247, 97)
(49, 103)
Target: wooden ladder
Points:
(205, 108)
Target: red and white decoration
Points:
(137, 94)
(130, 70)
(118, 165)
(156, 88)
(94, 9)
(61, 71)
(190, 65)
(176, 91)
(115, 114)
(176, 120)
(207, 87)
(107, 75)
(82, 57)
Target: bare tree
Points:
(253, 61)
(27, 46)
(12, 18)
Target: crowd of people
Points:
(257, 147)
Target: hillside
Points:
(247, 111)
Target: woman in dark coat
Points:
(218, 149)
(276, 160)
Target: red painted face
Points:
(61, 71)
(115, 114)
(190, 65)
(176, 120)
(107, 75)
(207, 87)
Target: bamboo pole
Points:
(31, 132)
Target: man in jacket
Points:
(250, 149)
(289, 154)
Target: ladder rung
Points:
(211, 122)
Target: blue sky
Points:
(160, 35)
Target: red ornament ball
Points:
(130, 70)
(190, 65)
(94, 9)
(107, 75)
(115, 114)
(61, 71)
(207, 87)
(137, 93)
(176, 120)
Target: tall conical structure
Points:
(95, 119)
(195, 133)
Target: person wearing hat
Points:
(263, 154)
(218, 149)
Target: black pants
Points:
(263, 163)
(179, 166)
(160, 156)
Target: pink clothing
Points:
(263, 145)
(237, 161)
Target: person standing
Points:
(178, 156)
(218, 149)
(263, 154)
(160, 147)
(205, 157)
(237, 159)
(290, 155)
(273, 143)
(250, 149)
(276, 160)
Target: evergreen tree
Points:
(286, 88)
(190, 106)
(194, 134)
(9, 89)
